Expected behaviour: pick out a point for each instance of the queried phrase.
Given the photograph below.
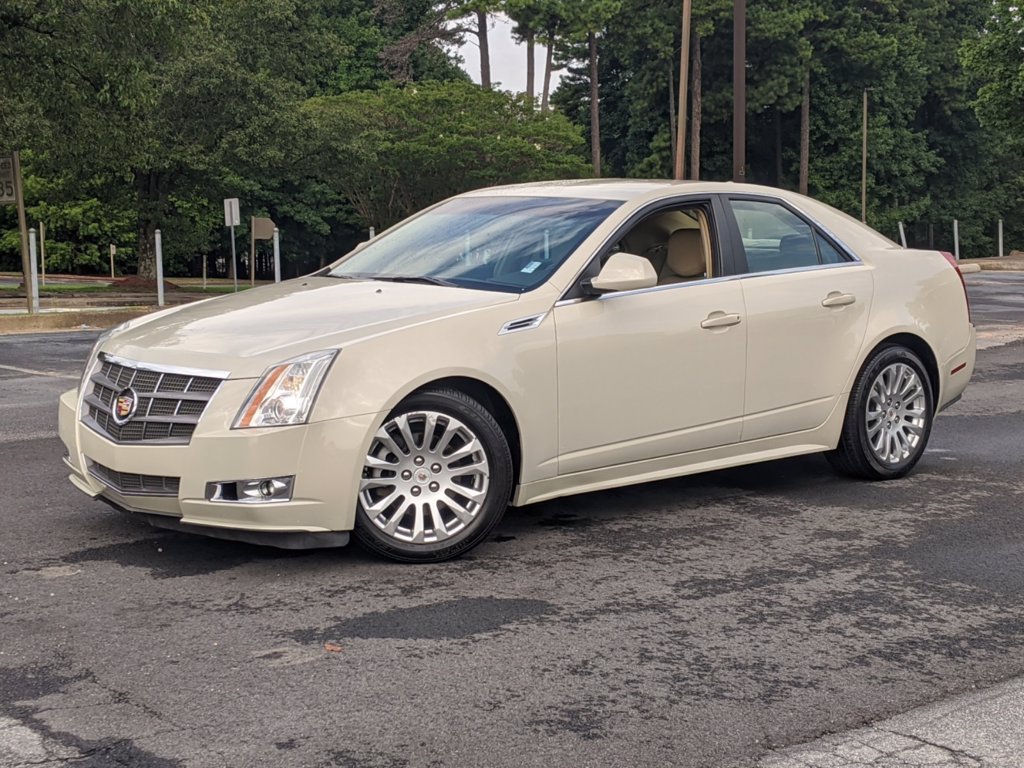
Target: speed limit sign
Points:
(7, 179)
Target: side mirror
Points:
(622, 272)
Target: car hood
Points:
(244, 333)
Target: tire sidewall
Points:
(499, 458)
(883, 358)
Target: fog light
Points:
(260, 491)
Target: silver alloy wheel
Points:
(425, 477)
(895, 413)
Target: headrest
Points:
(686, 253)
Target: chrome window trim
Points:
(709, 281)
(172, 369)
(725, 196)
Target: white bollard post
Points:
(373, 233)
(956, 239)
(1000, 238)
(234, 259)
(33, 278)
(159, 270)
(903, 235)
(277, 255)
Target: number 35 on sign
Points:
(7, 179)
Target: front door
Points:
(654, 372)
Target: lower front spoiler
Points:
(282, 540)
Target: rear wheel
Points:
(436, 479)
(888, 417)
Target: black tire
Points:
(855, 455)
(461, 409)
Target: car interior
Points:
(774, 238)
(676, 242)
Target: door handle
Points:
(719, 320)
(837, 299)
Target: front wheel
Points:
(888, 417)
(436, 479)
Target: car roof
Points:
(627, 189)
(848, 229)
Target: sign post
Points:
(113, 251)
(232, 219)
(252, 251)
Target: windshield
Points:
(509, 244)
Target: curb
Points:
(968, 268)
(69, 321)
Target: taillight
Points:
(952, 262)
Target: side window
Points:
(829, 254)
(776, 238)
(677, 242)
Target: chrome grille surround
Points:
(131, 484)
(170, 401)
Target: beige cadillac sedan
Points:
(518, 344)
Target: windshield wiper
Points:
(424, 279)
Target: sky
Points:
(508, 59)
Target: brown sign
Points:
(262, 228)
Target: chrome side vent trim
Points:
(522, 324)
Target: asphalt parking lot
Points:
(703, 621)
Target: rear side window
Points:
(776, 238)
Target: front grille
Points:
(131, 484)
(168, 406)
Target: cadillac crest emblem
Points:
(124, 405)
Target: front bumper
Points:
(325, 458)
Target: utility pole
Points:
(864, 163)
(739, 90)
(684, 75)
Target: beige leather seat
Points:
(685, 259)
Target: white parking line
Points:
(33, 372)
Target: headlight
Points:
(286, 392)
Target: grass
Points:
(58, 289)
(215, 288)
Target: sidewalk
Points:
(67, 319)
(975, 730)
(1012, 263)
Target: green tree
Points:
(393, 151)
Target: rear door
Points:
(807, 300)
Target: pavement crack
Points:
(959, 755)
